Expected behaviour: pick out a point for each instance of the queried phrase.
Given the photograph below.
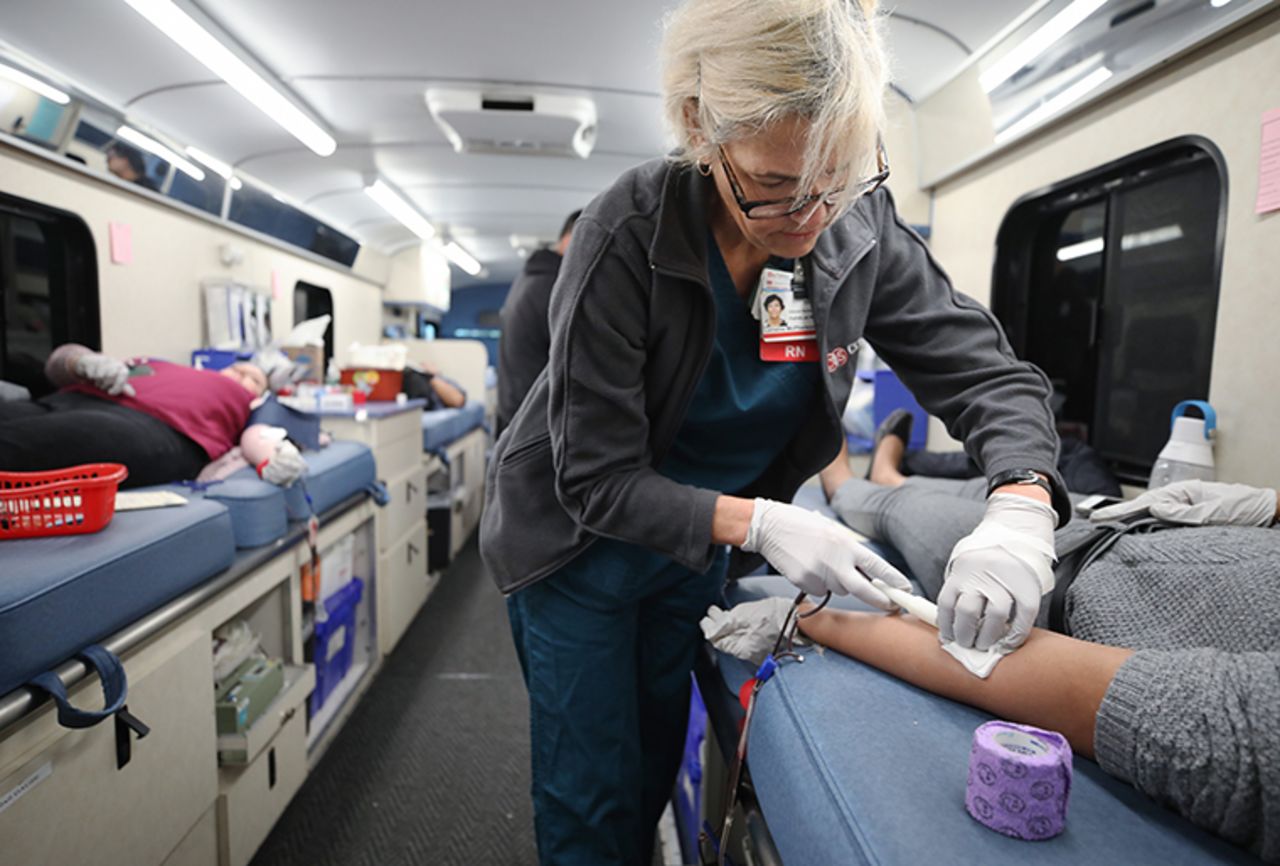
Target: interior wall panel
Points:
(1221, 93)
(152, 305)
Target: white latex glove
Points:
(748, 630)
(104, 373)
(819, 555)
(997, 574)
(1199, 503)
(285, 466)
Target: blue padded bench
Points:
(442, 427)
(261, 511)
(851, 765)
(257, 508)
(59, 594)
(333, 474)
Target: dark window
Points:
(203, 194)
(48, 288)
(262, 211)
(310, 302)
(1109, 283)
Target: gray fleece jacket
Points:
(632, 326)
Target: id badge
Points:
(787, 331)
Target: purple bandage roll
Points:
(1019, 780)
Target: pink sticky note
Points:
(1269, 164)
(121, 243)
(277, 286)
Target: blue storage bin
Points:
(217, 359)
(335, 640)
(891, 394)
(688, 795)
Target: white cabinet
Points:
(394, 432)
(255, 795)
(406, 583)
(80, 806)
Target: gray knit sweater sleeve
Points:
(1199, 731)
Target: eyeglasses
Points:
(774, 208)
(783, 648)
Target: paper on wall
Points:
(1269, 164)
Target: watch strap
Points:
(1019, 476)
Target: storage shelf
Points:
(236, 750)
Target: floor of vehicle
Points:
(433, 766)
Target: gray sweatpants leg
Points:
(923, 519)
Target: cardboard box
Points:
(248, 691)
(311, 358)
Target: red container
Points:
(374, 384)
(60, 501)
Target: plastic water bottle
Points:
(1189, 452)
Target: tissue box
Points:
(310, 358)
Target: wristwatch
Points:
(1019, 476)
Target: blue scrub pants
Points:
(607, 645)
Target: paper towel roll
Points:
(1019, 780)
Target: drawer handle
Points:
(288, 715)
(126, 722)
(411, 550)
(410, 490)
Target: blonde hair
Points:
(742, 65)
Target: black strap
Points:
(115, 687)
(1082, 553)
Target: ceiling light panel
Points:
(193, 38)
(1038, 43)
(1049, 108)
(35, 85)
(462, 258)
(405, 213)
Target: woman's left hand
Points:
(997, 575)
(285, 466)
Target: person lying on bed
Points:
(163, 421)
(425, 381)
(1083, 469)
(1168, 673)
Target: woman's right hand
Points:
(819, 555)
(104, 373)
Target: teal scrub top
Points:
(743, 413)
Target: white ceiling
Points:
(363, 67)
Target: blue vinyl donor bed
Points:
(57, 595)
(442, 427)
(853, 766)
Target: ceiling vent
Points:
(502, 122)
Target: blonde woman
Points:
(657, 439)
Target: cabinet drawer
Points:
(398, 456)
(83, 809)
(408, 506)
(376, 431)
(253, 797)
(403, 585)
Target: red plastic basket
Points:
(60, 501)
